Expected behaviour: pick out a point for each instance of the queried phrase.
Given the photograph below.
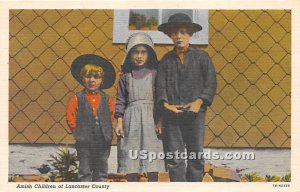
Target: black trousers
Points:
(93, 160)
(184, 131)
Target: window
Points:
(130, 21)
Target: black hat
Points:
(82, 60)
(179, 18)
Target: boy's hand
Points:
(194, 106)
(173, 108)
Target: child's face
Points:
(180, 38)
(92, 81)
(139, 55)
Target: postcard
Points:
(132, 96)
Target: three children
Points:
(186, 85)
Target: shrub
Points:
(270, 178)
(253, 177)
(286, 178)
(66, 164)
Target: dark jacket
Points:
(89, 128)
(179, 84)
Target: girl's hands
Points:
(119, 128)
(158, 129)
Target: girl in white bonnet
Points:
(135, 111)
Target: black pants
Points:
(93, 160)
(184, 131)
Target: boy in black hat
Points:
(89, 116)
(186, 85)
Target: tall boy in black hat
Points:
(89, 116)
(186, 85)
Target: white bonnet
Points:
(139, 38)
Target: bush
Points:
(253, 177)
(270, 178)
(66, 164)
(287, 178)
